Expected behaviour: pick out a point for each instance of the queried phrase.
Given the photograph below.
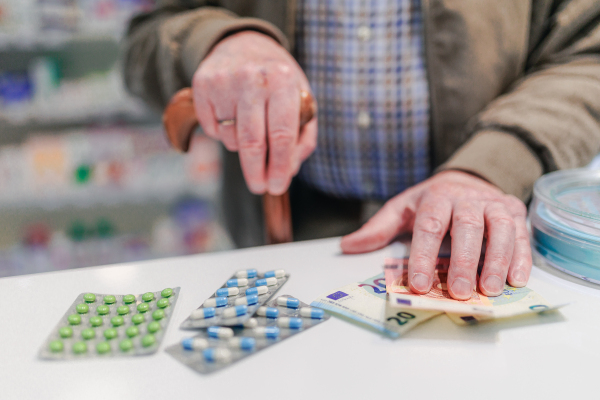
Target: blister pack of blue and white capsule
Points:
(237, 300)
(219, 346)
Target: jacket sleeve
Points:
(164, 48)
(549, 119)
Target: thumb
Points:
(393, 218)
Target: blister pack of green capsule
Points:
(107, 325)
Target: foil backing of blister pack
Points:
(195, 359)
(114, 343)
(218, 319)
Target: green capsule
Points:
(74, 319)
(96, 321)
(128, 299)
(82, 308)
(132, 331)
(117, 321)
(102, 310)
(157, 315)
(89, 297)
(109, 299)
(102, 347)
(153, 327)
(168, 292)
(123, 310)
(148, 340)
(56, 346)
(163, 303)
(110, 333)
(88, 333)
(79, 347)
(126, 345)
(143, 307)
(149, 296)
(138, 319)
(65, 332)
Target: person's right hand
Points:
(251, 78)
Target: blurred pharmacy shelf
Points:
(86, 175)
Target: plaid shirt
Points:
(365, 62)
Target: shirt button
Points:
(364, 120)
(363, 33)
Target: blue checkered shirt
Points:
(365, 63)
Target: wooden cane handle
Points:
(179, 119)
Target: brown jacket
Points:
(515, 84)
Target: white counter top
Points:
(548, 356)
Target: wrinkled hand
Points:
(471, 209)
(251, 78)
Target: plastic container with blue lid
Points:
(565, 221)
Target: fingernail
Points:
(420, 282)
(493, 285)
(461, 288)
(519, 278)
(276, 185)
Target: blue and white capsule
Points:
(266, 282)
(228, 291)
(236, 311)
(218, 355)
(237, 282)
(269, 332)
(194, 343)
(269, 312)
(290, 322)
(247, 273)
(215, 302)
(248, 300)
(219, 332)
(288, 302)
(314, 313)
(251, 323)
(203, 313)
(278, 273)
(244, 343)
(257, 290)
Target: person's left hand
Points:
(470, 208)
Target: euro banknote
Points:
(512, 302)
(366, 303)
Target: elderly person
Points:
(446, 110)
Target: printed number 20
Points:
(403, 317)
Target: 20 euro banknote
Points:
(512, 302)
(366, 304)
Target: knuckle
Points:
(516, 205)
(422, 261)
(468, 219)
(464, 260)
(281, 138)
(431, 225)
(503, 221)
(501, 259)
(252, 145)
(283, 71)
(522, 239)
(251, 73)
